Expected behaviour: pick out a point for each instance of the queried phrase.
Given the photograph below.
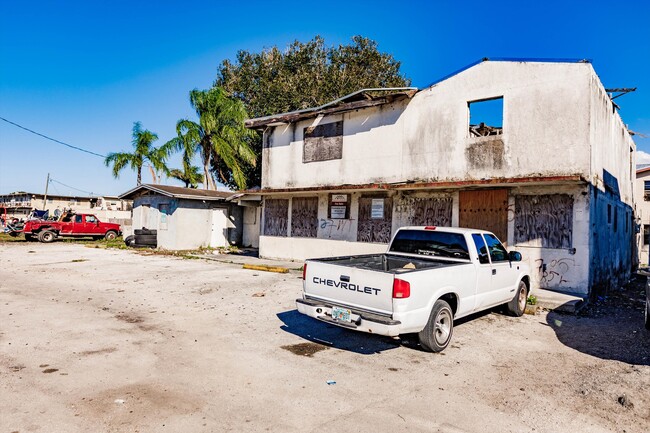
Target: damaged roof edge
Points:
(513, 181)
(508, 59)
(290, 116)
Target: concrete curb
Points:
(266, 268)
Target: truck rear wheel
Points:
(435, 337)
(110, 235)
(46, 236)
(517, 306)
(647, 312)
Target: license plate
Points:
(341, 314)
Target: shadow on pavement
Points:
(607, 332)
(353, 341)
(333, 336)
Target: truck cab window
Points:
(77, 218)
(498, 252)
(90, 219)
(430, 243)
(483, 257)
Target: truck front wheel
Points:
(517, 306)
(46, 236)
(110, 235)
(435, 337)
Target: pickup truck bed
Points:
(388, 262)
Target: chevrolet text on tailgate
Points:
(429, 277)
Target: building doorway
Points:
(485, 210)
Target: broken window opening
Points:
(486, 117)
(646, 234)
(646, 190)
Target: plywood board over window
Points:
(323, 142)
(372, 228)
(544, 220)
(426, 211)
(276, 213)
(304, 217)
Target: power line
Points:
(72, 187)
(52, 139)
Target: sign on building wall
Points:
(339, 206)
(377, 208)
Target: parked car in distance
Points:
(428, 278)
(70, 225)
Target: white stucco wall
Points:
(188, 224)
(551, 268)
(546, 112)
(284, 248)
(642, 216)
(251, 226)
(613, 149)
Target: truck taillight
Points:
(304, 271)
(401, 289)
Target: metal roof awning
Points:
(178, 192)
(438, 185)
(363, 98)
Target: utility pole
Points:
(47, 183)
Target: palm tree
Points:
(219, 135)
(189, 175)
(143, 152)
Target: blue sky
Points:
(83, 71)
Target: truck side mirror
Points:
(514, 256)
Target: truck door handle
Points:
(345, 278)
(494, 271)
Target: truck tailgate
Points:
(362, 288)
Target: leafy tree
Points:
(143, 152)
(189, 175)
(302, 76)
(219, 137)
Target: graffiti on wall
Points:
(546, 220)
(275, 217)
(553, 273)
(425, 211)
(331, 227)
(304, 217)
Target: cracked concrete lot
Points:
(96, 340)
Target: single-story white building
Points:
(186, 218)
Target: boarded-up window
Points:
(304, 217)
(427, 211)
(371, 227)
(276, 213)
(323, 142)
(544, 220)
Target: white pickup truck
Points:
(429, 277)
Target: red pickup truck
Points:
(70, 225)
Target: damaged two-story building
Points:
(548, 167)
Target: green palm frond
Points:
(142, 141)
